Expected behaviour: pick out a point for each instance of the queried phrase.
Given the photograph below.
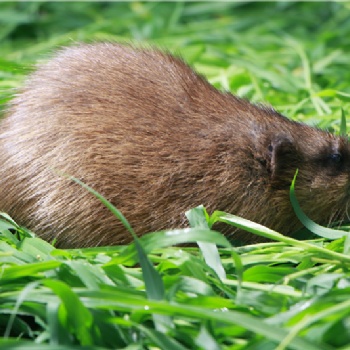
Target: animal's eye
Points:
(336, 158)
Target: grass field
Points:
(152, 294)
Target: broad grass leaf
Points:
(188, 285)
(91, 276)
(10, 255)
(245, 224)
(262, 302)
(122, 276)
(114, 330)
(346, 249)
(210, 302)
(205, 340)
(271, 234)
(323, 283)
(161, 239)
(198, 269)
(334, 93)
(75, 317)
(36, 247)
(59, 335)
(340, 328)
(163, 341)
(7, 221)
(267, 274)
(315, 316)
(6, 224)
(154, 288)
(198, 217)
(30, 269)
(11, 238)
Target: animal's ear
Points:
(283, 157)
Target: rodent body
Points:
(156, 139)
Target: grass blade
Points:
(198, 218)
(312, 226)
(153, 281)
(342, 130)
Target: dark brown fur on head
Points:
(156, 139)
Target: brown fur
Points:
(156, 139)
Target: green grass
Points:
(152, 294)
(273, 295)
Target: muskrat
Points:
(156, 139)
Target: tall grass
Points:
(153, 294)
